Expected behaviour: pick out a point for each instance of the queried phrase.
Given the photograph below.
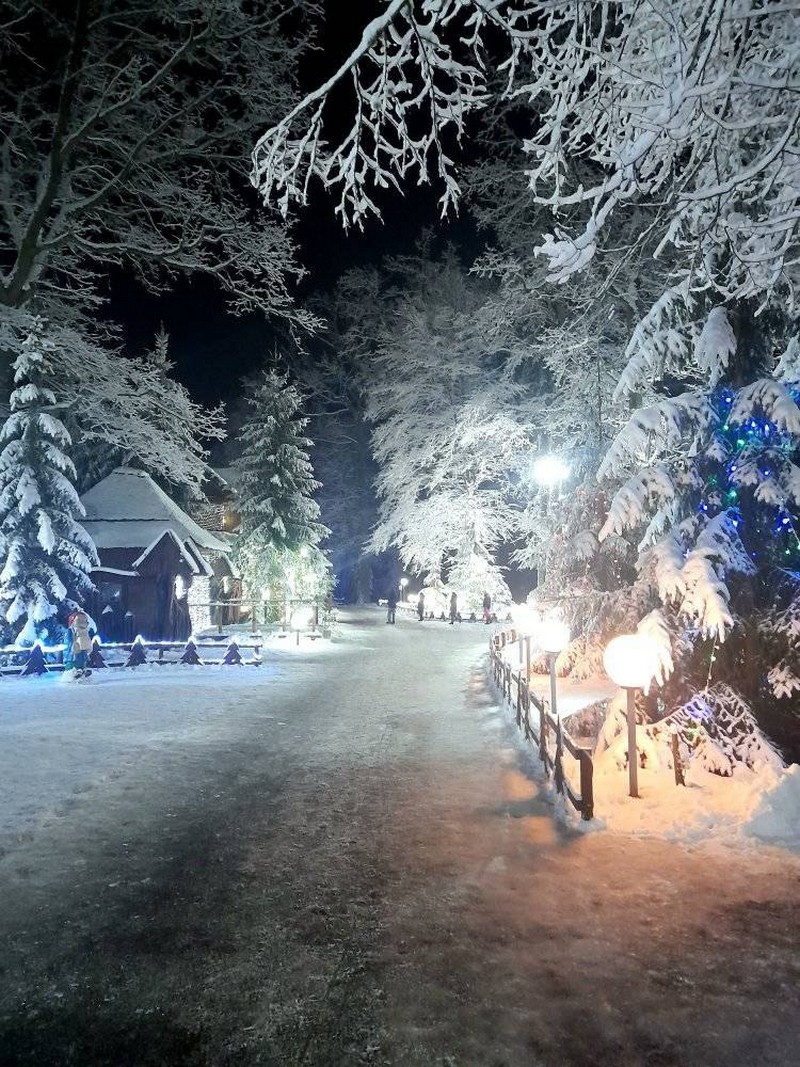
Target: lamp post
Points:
(554, 638)
(403, 584)
(631, 662)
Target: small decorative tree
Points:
(190, 655)
(233, 657)
(35, 663)
(138, 654)
(96, 661)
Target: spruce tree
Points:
(45, 554)
(275, 481)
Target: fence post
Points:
(519, 699)
(587, 785)
(543, 737)
(677, 766)
(558, 767)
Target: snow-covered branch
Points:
(417, 73)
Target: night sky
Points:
(213, 349)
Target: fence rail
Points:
(542, 729)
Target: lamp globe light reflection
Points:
(553, 636)
(631, 661)
(550, 470)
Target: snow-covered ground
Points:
(351, 850)
(57, 738)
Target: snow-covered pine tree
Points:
(275, 485)
(710, 481)
(45, 554)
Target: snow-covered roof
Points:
(191, 556)
(128, 510)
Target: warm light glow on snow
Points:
(524, 618)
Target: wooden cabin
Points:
(159, 569)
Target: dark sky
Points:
(213, 349)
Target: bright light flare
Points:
(553, 635)
(631, 661)
(550, 470)
(301, 619)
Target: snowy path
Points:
(342, 858)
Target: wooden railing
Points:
(541, 729)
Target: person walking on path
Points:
(421, 606)
(453, 607)
(487, 608)
(391, 605)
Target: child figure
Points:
(79, 644)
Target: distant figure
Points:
(453, 608)
(391, 605)
(78, 644)
(487, 608)
(421, 606)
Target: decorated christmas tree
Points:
(45, 554)
(709, 481)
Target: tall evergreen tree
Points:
(45, 553)
(275, 481)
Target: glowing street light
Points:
(550, 470)
(301, 620)
(631, 661)
(403, 584)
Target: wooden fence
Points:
(39, 660)
(544, 731)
